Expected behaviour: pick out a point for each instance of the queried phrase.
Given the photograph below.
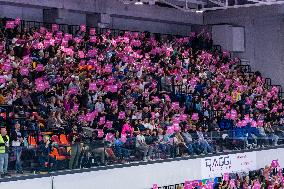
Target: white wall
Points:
(38, 183)
(264, 37)
(144, 176)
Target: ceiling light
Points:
(138, 3)
(199, 11)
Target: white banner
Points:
(216, 166)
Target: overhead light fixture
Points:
(138, 3)
(199, 11)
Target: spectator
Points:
(17, 144)
(143, 147)
(46, 162)
(206, 148)
(4, 156)
(76, 147)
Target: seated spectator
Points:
(143, 147)
(206, 148)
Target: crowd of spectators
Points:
(129, 95)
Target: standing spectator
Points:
(4, 156)
(76, 148)
(44, 158)
(17, 143)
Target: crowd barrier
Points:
(142, 175)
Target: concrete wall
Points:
(264, 36)
(151, 26)
(152, 18)
(27, 13)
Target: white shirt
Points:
(140, 139)
(100, 106)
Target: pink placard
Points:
(102, 120)
(109, 137)
(187, 185)
(83, 28)
(24, 71)
(10, 24)
(226, 177)
(113, 88)
(108, 68)
(170, 130)
(232, 183)
(81, 54)
(39, 68)
(100, 133)
(275, 163)
(17, 21)
(40, 86)
(195, 117)
(175, 105)
(121, 115)
(7, 66)
(2, 79)
(92, 86)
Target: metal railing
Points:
(92, 152)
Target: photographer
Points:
(4, 156)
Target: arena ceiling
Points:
(200, 6)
